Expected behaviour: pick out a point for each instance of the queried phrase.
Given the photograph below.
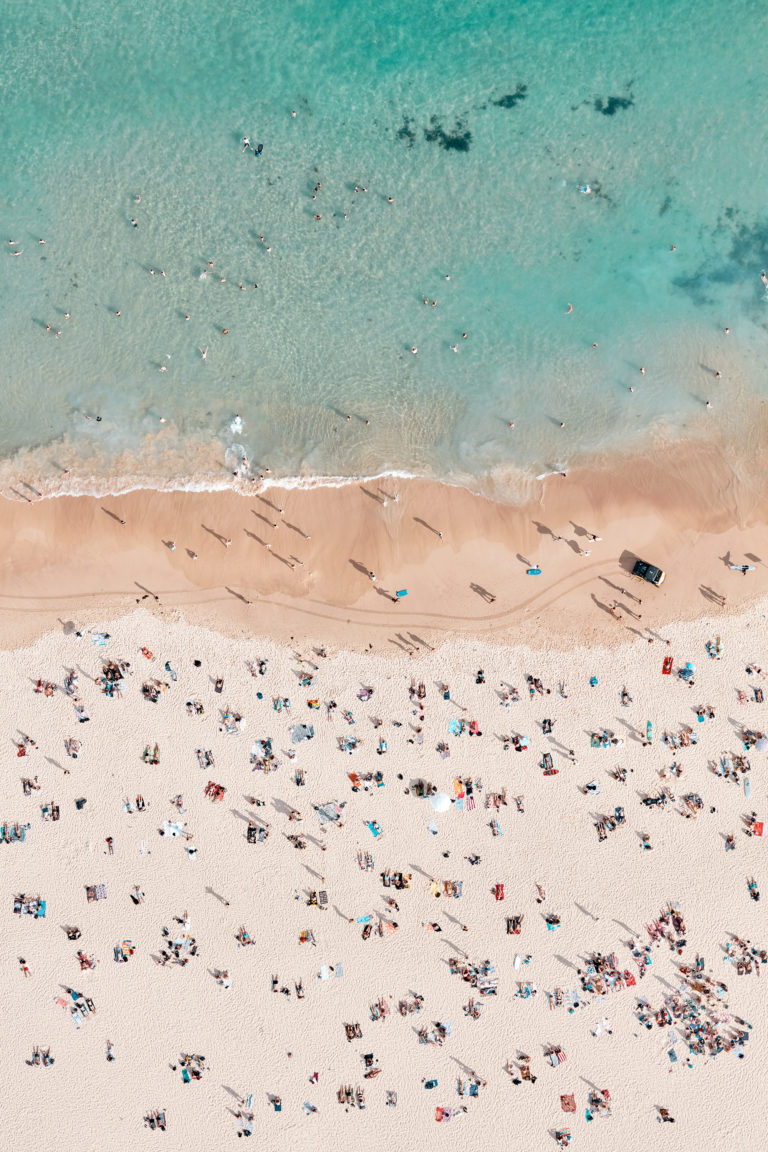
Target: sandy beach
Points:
(578, 984)
(302, 557)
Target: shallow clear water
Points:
(482, 121)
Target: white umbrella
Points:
(440, 802)
(762, 744)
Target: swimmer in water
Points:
(763, 277)
(570, 309)
(204, 353)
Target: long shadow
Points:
(711, 595)
(114, 515)
(295, 528)
(237, 595)
(398, 644)
(253, 536)
(210, 891)
(360, 567)
(216, 535)
(147, 591)
(240, 816)
(483, 593)
(424, 524)
(464, 1067)
(283, 560)
(258, 515)
(418, 640)
(232, 1092)
(615, 587)
(371, 495)
(635, 733)
(626, 927)
(267, 502)
(600, 604)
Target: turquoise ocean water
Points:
(482, 121)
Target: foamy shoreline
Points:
(302, 557)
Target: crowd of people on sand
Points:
(694, 1014)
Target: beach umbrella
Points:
(762, 744)
(440, 802)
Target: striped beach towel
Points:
(470, 803)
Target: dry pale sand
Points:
(152, 1014)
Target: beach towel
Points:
(454, 727)
(568, 1102)
(470, 803)
(374, 830)
(301, 732)
(330, 812)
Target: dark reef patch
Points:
(406, 132)
(458, 139)
(612, 105)
(736, 267)
(512, 99)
